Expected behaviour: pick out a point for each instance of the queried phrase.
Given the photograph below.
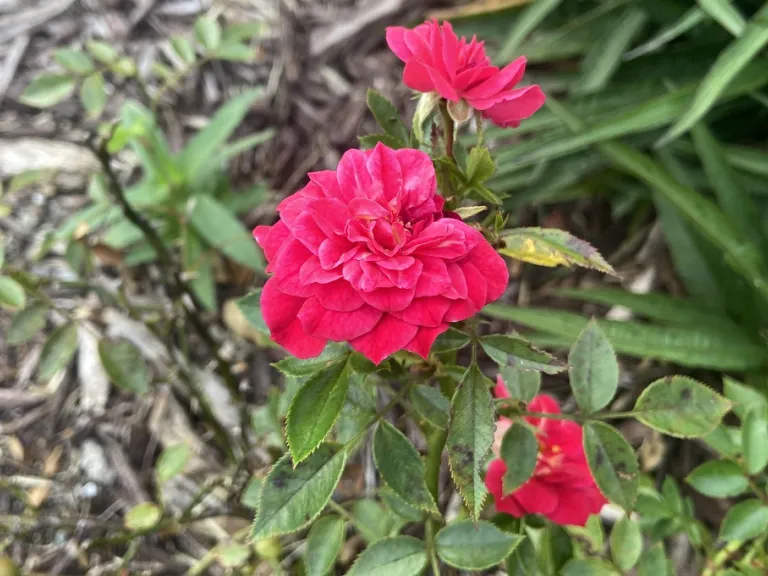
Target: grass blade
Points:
(729, 63)
(731, 196)
(605, 56)
(725, 14)
(526, 22)
(701, 212)
(663, 308)
(686, 22)
(698, 347)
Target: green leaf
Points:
(470, 436)
(222, 230)
(519, 451)
(525, 23)
(387, 116)
(401, 555)
(754, 432)
(208, 32)
(589, 567)
(234, 52)
(243, 145)
(315, 409)
(183, 48)
(125, 67)
(522, 385)
(252, 493)
(731, 196)
(171, 462)
(198, 155)
(48, 90)
(12, 296)
(592, 533)
(689, 20)
(718, 479)
(370, 140)
(742, 396)
(73, 60)
(480, 166)
(484, 193)
(515, 351)
(474, 546)
(124, 365)
(250, 307)
(607, 53)
(26, 323)
(593, 369)
(681, 407)
(744, 521)
(697, 347)
(424, 109)
(142, 517)
(198, 268)
(552, 247)
(626, 543)
(664, 308)
(102, 51)
(612, 463)
(522, 561)
(374, 521)
(450, 340)
(93, 95)
(729, 63)
(431, 405)
(58, 350)
(401, 507)
(401, 467)
(292, 497)
(332, 354)
(726, 14)
(653, 562)
(725, 440)
(324, 542)
(231, 554)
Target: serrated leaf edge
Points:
(252, 534)
(398, 537)
(638, 415)
(434, 509)
(592, 472)
(479, 505)
(518, 541)
(296, 461)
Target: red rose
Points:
(436, 60)
(364, 254)
(562, 487)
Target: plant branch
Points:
(175, 287)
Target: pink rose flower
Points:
(365, 254)
(436, 60)
(562, 487)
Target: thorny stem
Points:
(175, 287)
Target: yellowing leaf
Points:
(552, 247)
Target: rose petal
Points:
(576, 506)
(493, 481)
(505, 79)
(389, 299)
(536, 497)
(338, 296)
(271, 238)
(352, 175)
(280, 315)
(434, 278)
(396, 42)
(385, 170)
(387, 337)
(416, 77)
(422, 342)
(427, 312)
(338, 326)
(520, 105)
(287, 267)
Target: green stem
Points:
(435, 446)
(721, 558)
(449, 127)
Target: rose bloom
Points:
(365, 254)
(436, 60)
(562, 487)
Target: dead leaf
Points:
(37, 495)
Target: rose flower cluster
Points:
(365, 253)
(562, 487)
